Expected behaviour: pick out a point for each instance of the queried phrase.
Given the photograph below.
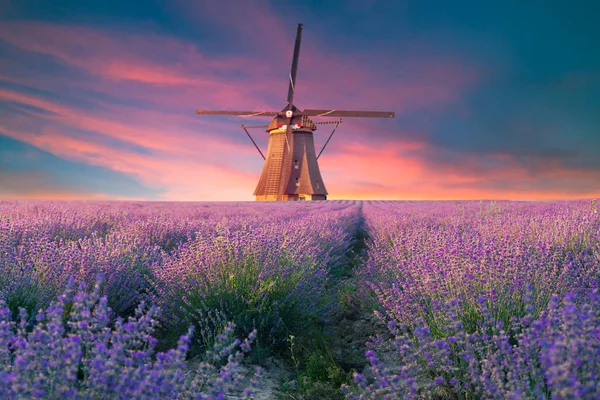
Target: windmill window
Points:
(297, 183)
(318, 187)
(295, 164)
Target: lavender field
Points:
(337, 299)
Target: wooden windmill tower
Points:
(291, 171)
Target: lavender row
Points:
(482, 298)
(43, 244)
(273, 274)
(550, 355)
(184, 257)
(71, 351)
(264, 267)
(421, 253)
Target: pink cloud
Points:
(359, 171)
(102, 51)
(133, 66)
(184, 178)
(334, 79)
(340, 80)
(196, 158)
(187, 165)
(140, 131)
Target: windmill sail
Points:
(238, 113)
(348, 113)
(294, 70)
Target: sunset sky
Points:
(493, 100)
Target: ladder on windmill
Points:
(274, 173)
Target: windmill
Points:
(291, 171)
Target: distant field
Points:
(468, 299)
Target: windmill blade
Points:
(239, 113)
(253, 142)
(256, 126)
(348, 113)
(339, 121)
(288, 129)
(329, 138)
(292, 87)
